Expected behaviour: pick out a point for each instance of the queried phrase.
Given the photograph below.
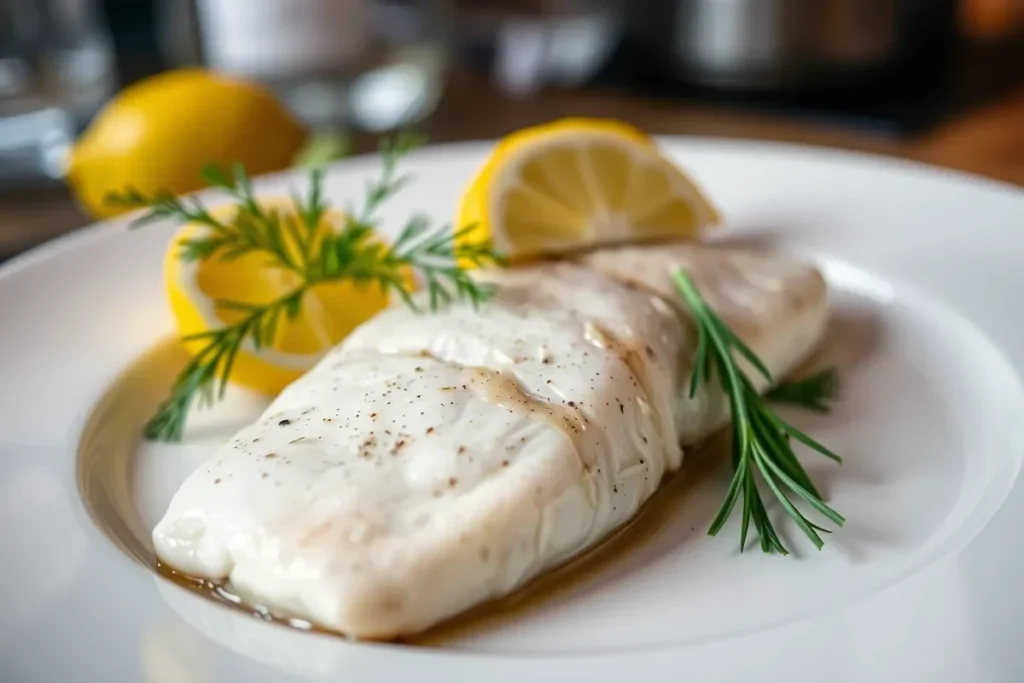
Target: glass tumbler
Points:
(371, 65)
(56, 69)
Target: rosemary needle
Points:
(317, 255)
(761, 440)
(814, 392)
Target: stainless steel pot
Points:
(787, 44)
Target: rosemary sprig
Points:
(312, 250)
(814, 392)
(761, 440)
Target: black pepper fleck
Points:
(284, 423)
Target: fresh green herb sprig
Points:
(761, 440)
(313, 251)
(814, 392)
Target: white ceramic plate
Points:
(922, 584)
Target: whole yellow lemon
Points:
(158, 133)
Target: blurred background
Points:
(940, 81)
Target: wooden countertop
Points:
(987, 141)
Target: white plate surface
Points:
(922, 584)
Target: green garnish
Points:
(761, 440)
(316, 254)
(814, 392)
(323, 147)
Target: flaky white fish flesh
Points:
(432, 462)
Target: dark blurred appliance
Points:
(792, 45)
(889, 67)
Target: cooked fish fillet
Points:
(432, 462)
(777, 306)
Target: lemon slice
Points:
(579, 183)
(329, 311)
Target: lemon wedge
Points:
(579, 183)
(328, 311)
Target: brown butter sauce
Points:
(662, 506)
